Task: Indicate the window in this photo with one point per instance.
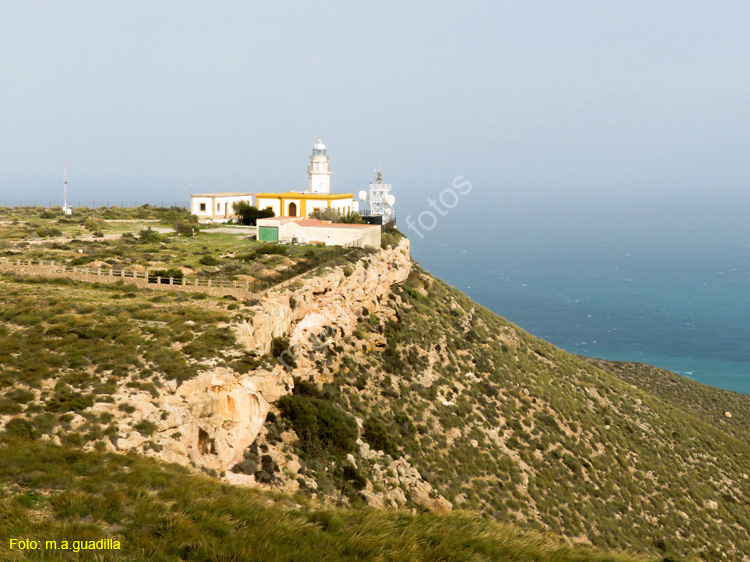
(218, 206)
(203, 206)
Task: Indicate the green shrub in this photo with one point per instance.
(183, 228)
(149, 236)
(19, 428)
(127, 408)
(267, 471)
(322, 427)
(48, 231)
(271, 249)
(92, 225)
(281, 350)
(145, 428)
(165, 274)
(209, 260)
(376, 435)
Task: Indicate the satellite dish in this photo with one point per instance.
(362, 195)
(390, 200)
(388, 212)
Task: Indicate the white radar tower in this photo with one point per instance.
(379, 198)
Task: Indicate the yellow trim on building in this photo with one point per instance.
(301, 195)
(289, 196)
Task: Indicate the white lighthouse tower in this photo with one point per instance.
(319, 172)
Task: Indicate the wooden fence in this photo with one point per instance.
(215, 286)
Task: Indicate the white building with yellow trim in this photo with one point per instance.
(317, 196)
(217, 207)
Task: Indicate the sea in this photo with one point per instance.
(662, 282)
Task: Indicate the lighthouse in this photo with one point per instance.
(319, 172)
(317, 196)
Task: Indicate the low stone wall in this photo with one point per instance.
(214, 288)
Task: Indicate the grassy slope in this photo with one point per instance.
(499, 421)
(163, 513)
(706, 402)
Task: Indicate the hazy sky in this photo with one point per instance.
(529, 100)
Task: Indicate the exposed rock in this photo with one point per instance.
(422, 496)
(397, 495)
(350, 459)
(237, 479)
(218, 414)
(293, 466)
(374, 500)
(326, 304)
(366, 453)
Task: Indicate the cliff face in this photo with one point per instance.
(334, 299)
(457, 407)
(209, 421)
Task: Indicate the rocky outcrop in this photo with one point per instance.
(206, 422)
(217, 415)
(401, 483)
(324, 304)
(209, 421)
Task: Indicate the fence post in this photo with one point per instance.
(158, 279)
(209, 283)
(171, 280)
(122, 273)
(99, 271)
(183, 281)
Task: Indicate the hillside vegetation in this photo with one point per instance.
(163, 513)
(431, 403)
(501, 422)
(728, 411)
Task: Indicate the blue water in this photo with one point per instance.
(671, 295)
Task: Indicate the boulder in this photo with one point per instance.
(421, 494)
(372, 499)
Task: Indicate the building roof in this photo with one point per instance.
(319, 145)
(315, 223)
(328, 224)
(227, 194)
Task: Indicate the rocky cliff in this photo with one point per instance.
(209, 421)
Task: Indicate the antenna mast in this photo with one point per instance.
(66, 210)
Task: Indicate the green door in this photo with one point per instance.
(268, 233)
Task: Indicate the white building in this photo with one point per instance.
(317, 196)
(314, 231)
(217, 207)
